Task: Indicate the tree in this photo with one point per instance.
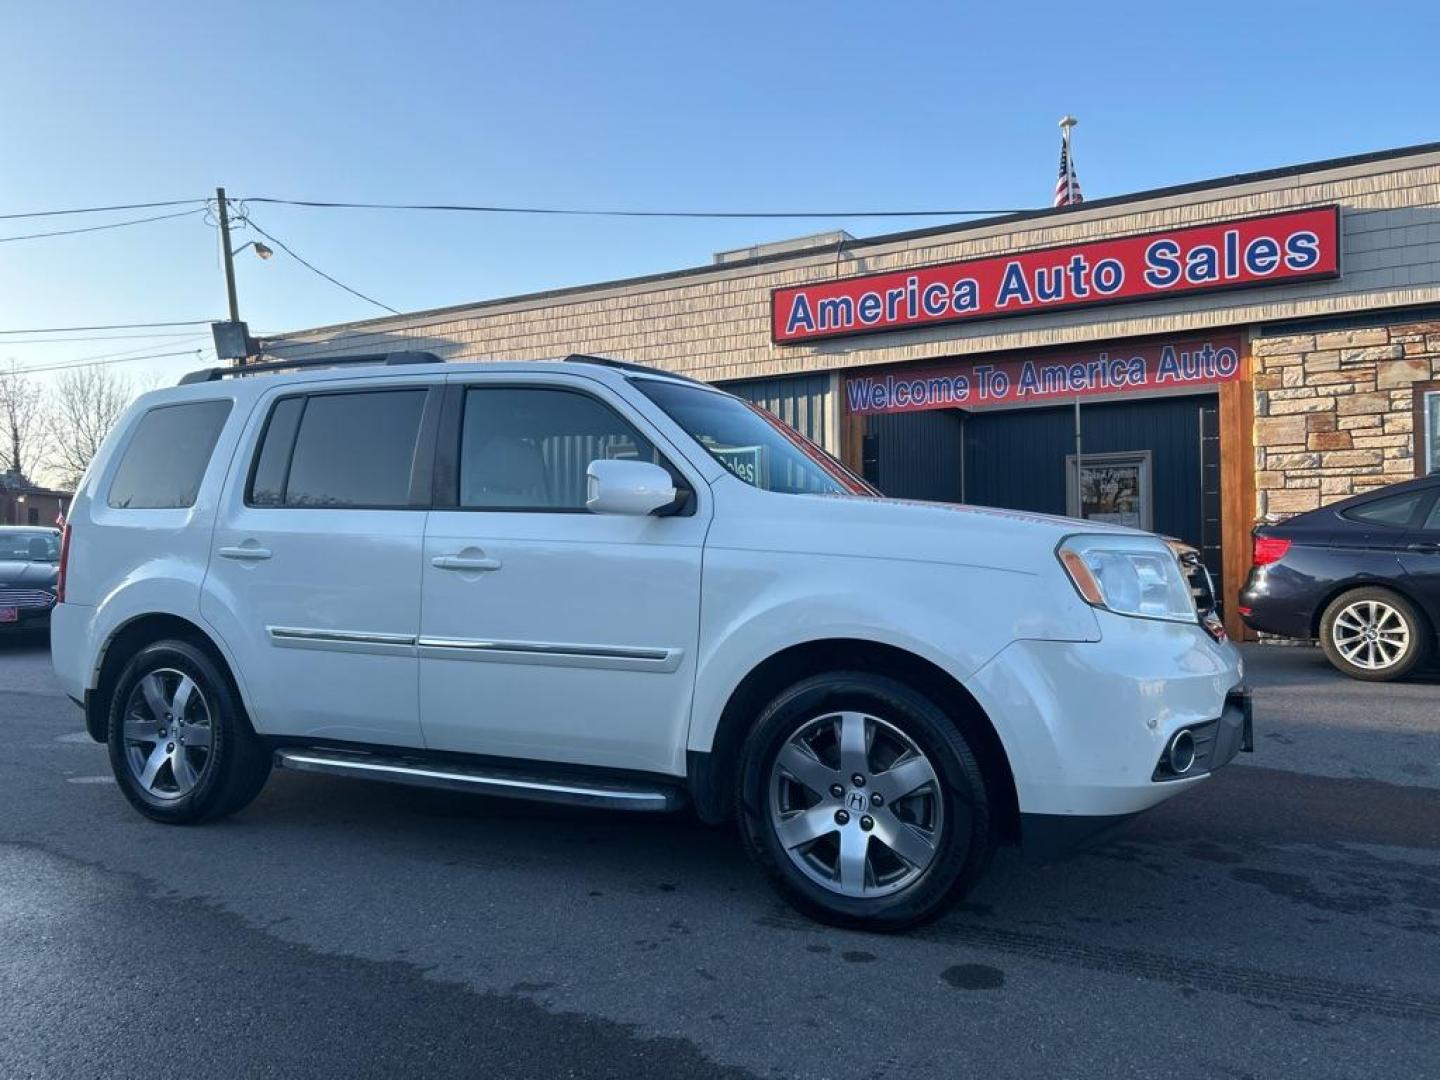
(84, 405)
(20, 419)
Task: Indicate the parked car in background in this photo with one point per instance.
(594, 583)
(29, 566)
(1362, 576)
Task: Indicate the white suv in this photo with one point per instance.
(590, 582)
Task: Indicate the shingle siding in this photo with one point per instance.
(715, 324)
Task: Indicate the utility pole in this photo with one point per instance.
(226, 254)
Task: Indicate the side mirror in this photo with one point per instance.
(627, 487)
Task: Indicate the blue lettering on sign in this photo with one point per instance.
(1013, 286)
(934, 299)
(800, 316)
(1262, 255)
(966, 295)
(1202, 264)
(870, 308)
(1108, 276)
(1302, 250)
(836, 313)
(1163, 264)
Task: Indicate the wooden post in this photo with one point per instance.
(1237, 487)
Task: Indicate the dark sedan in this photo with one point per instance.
(1361, 575)
(29, 569)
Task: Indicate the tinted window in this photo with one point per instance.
(267, 485)
(19, 545)
(529, 448)
(354, 450)
(166, 457)
(1397, 510)
(1432, 520)
(751, 443)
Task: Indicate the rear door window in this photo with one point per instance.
(165, 460)
(1396, 511)
(346, 450)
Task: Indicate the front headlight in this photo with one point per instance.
(1129, 575)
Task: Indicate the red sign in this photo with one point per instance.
(978, 384)
(1298, 245)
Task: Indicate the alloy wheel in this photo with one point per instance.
(168, 735)
(1371, 634)
(856, 804)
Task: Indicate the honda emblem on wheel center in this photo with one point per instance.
(857, 801)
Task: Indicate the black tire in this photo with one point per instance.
(1416, 632)
(963, 839)
(226, 777)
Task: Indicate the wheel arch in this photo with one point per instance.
(125, 641)
(711, 774)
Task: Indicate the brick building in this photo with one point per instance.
(1189, 359)
(23, 502)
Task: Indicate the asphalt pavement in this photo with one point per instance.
(1281, 920)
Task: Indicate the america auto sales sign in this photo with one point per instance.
(1298, 245)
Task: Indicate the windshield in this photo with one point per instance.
(23, 545)
(751, 443)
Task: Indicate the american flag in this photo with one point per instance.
(1067, 184)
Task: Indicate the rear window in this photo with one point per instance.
(1395, 510)
(350, 450)
(165, 460)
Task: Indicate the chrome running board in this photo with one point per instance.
(484, 780)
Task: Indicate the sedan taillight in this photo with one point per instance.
(1269, 549)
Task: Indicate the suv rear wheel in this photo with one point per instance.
(181, 747)
(1373, 634)
(863, 802)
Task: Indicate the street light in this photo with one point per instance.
(260, 249)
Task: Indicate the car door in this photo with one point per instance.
(549, 632)
(314, 576)
(1421, 558)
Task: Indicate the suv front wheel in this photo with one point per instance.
(863, 802)
(180, 745)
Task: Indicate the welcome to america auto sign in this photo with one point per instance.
(1175, 366)
(1298, 245)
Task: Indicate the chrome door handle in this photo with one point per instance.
(1423, 545)
(244, 554)
(464, 562)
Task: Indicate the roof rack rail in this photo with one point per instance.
(626, 365)
(394, 359)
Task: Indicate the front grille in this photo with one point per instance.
(26, 598)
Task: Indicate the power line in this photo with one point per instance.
(575, 212)
(111, 355)
(313, 268)
(105, 363)
(110, 326)
(95, 337)
(100, 209)
(101, 228)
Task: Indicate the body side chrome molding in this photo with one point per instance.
(552, 654)
(497, 781)
(548, 653)
(294, 637)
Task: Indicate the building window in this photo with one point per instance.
(1431, 414)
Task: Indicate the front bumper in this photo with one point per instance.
(1085, 724)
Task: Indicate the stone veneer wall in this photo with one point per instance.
(1334, 412)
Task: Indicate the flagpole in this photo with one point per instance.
(1066, 123)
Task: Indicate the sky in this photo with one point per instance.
(620, 105)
